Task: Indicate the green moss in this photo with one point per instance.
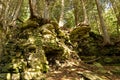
(29, 24)
(61, 34)
(3, 76)
(56, 26)
(81, 30)
(47, 29)
(79, 33)
(33, 46)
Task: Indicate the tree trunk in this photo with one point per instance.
(102, 24)
(33, 8)
(2, 9)
(84, 13)
(97, 24)
(75, 5)
(5, 17)
(61, 20)
(46, 10)
(15, 16)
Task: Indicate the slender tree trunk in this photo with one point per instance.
(5, 22)
(61, 20)
(46, 10)
(2, 9)
(97, 24)
(102, 24)
(84, 12)
(33, 8)
(75, 4)
(15, 16)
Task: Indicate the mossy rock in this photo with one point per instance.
(47, 29)
(30, 49)
(56, 26)
(81, 30)
(79, 33)
(61, 34)
(53, 49)
(29, 24)
(53, 52)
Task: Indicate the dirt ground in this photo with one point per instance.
(81, 72)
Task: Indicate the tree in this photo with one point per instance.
(33, 8)
(9, 12)
(46, 9)
(84, 13)
(61, 20)
(79, 15)
(76, 13)
(16, 13)
(102, 24)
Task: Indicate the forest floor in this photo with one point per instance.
(81, 72)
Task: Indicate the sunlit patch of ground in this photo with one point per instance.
(78, 73)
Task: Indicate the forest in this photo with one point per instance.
(59, 39)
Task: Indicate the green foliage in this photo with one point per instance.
(56, 10)
(111, 21)
(69, 17)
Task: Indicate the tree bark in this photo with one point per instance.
(33, 8)
(15, 16)
(102, 24)
(97, 24)
(46, 10)
(75, 5)
(84, 13)
(61, 20)
(2, 9)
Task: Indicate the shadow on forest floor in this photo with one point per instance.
(83, 72)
